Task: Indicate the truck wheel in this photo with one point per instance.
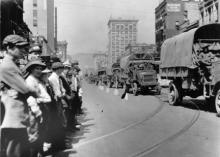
(135, 89)
(217, 102)
(173, 95)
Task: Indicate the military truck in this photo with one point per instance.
(101, 77)
(115, 79)
(141, 74)
(191, 61)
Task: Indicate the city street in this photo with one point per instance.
(144, 125)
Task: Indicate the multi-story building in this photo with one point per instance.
(210, 12)
(121, 33)
(39, 16)
(170, 14)
(100, 60)
(62, 50)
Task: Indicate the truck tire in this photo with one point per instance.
(173, 95)
(217, 102)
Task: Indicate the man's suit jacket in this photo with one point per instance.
(14, 96)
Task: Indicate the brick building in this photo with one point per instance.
(170, 14)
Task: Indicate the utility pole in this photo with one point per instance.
(56, 30)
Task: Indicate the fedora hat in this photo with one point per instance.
(34, 63)
(57, 65)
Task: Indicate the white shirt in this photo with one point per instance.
(42, 95)
(58, 89)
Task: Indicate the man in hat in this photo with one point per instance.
(59, 90)
(34, 52)
(76, 88)
(13, 95)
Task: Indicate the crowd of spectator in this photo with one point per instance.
(39, 103)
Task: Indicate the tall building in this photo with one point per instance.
(210, 12)
(121, 33)
(39, 16)
(62, 50)
(170, 14)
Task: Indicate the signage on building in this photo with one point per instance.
(173, 7)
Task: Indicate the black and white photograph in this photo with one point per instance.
(110, 78)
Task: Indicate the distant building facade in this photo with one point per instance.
(100, 60)
(140, 47)
(121, 33)
(62, 50)
(39, 16)
(170, 14)
(209, 11)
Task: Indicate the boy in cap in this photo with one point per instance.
(13, 95)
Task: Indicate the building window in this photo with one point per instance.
(35, 22)
(35, 3)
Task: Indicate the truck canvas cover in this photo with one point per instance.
(178, 50)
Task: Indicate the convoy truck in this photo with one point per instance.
(141, 74)
(191, 60)
(115, 79)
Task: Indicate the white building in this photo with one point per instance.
(121, 33)
(39, 16)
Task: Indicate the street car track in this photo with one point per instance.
(147, 150)
(148, 117)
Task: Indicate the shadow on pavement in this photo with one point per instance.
(202, 104)
(75, 136)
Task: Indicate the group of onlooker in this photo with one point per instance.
(40, 103)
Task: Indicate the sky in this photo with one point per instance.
(83, 23)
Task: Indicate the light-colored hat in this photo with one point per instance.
(67, 64)
(15, 39)
(45, 71)
(57, 65)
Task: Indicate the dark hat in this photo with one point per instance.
(76, 67)
(75, 62)
(15, 40)
(34, 62)
(57, 65)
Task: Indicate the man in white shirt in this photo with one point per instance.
(58, 89)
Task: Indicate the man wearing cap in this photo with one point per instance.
(58, 89)
(34, 52)
(13, 95)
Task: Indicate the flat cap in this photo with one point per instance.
(57, 65)
(16, 40)
(76, 67)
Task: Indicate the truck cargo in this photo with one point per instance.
(191, 60)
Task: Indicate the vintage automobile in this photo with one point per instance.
(141, 74)
(191, 61)
(115, 79)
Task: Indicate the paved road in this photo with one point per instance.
(143, 126)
